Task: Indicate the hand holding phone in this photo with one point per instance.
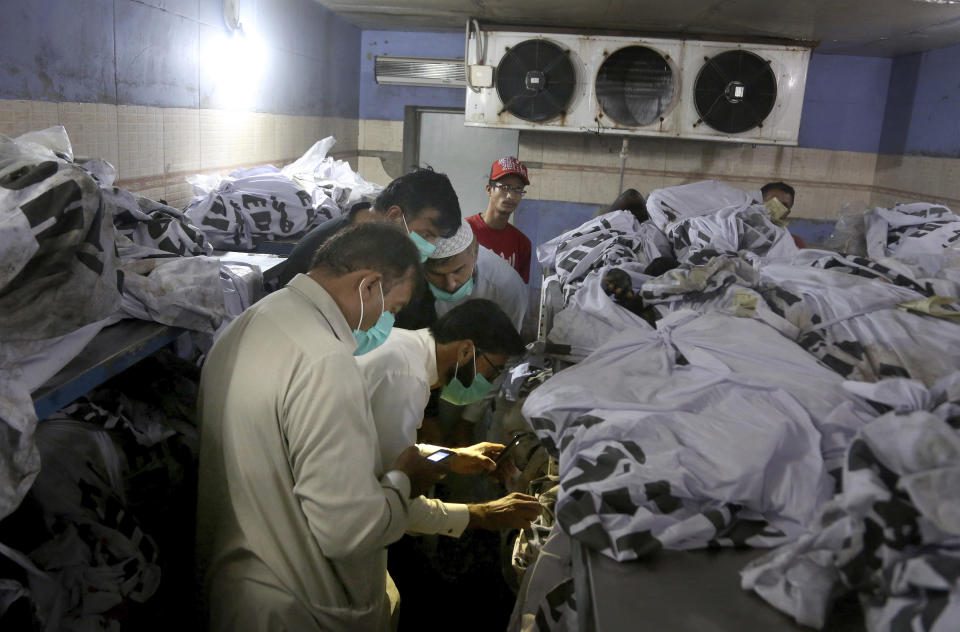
(510, 446)
(423, 471)
(440, 455)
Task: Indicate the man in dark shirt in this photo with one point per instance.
(422, 203)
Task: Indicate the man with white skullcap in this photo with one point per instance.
(460, 269)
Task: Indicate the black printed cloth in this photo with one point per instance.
(696, 240)
(681, 438)
(64, 265)
(909, 230)
(150, 223)
(847, 311)
(267, 205)
(609, 240)
(849, 316)
(892, 533)
(58, 272)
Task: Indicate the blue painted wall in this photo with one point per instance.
(158, 53)
(923, 105)
(843, 107)
(542, 220)
(387, 102)
(844, 102)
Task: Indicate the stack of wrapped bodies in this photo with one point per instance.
(728, 400)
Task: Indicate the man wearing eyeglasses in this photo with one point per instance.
(506, 187)
(463, 353)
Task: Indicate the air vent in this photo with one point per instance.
(735, 91)
(738, 92)
(535, 80)
(634, 86)
(419, 71)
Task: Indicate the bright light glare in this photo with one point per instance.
(234, 64)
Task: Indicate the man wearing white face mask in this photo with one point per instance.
(778, 197)
(295, 506)
(461, 269)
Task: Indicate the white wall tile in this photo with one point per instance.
(371, 169)
(92, 129)
(140, 138)
(19, 117)
(381, 135)
(531, 147)
(181, 140)
(599, 188)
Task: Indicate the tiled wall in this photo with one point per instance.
(585, 168)
(155, 149)
(376, 138)
(916, 179)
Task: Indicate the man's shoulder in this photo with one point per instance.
(476, 222)
(403, 353)
(292, 323)
(499, 272)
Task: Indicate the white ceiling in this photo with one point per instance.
(855, 27)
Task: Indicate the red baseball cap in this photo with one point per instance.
(509, 166)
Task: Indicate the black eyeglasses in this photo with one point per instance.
(506, 188)
(499, 370)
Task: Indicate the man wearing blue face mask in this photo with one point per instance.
(462, 353)
(295, 505)
(461, 269)
(421, 203)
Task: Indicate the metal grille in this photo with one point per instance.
(419, 71)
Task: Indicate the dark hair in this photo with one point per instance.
(421, 189)
(484, 323)
(777, 186)
(362, 205)
(375, 245)
(631, 200)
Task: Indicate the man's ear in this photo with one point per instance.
(394, 214)
(371, 283)
(465, 352)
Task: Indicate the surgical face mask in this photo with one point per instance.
(777, 210)
(462, 292)
(375, 336)
(459, 395)
(425, 247)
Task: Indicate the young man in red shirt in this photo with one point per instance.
(508, 177)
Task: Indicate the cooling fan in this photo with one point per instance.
(634, 86)
(535, 80)
(735, 91)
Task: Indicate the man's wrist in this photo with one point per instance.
(478, 515)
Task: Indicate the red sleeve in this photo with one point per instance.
(798, 241)
(523, 259)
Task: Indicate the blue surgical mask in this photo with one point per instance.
(425, 247)
(459, 395)
(462, 292)
(375, 336)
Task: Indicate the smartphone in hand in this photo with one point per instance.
(510, 446)
(439, 456)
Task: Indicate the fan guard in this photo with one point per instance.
(735, 91)
(634, 85)
(535, 80)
